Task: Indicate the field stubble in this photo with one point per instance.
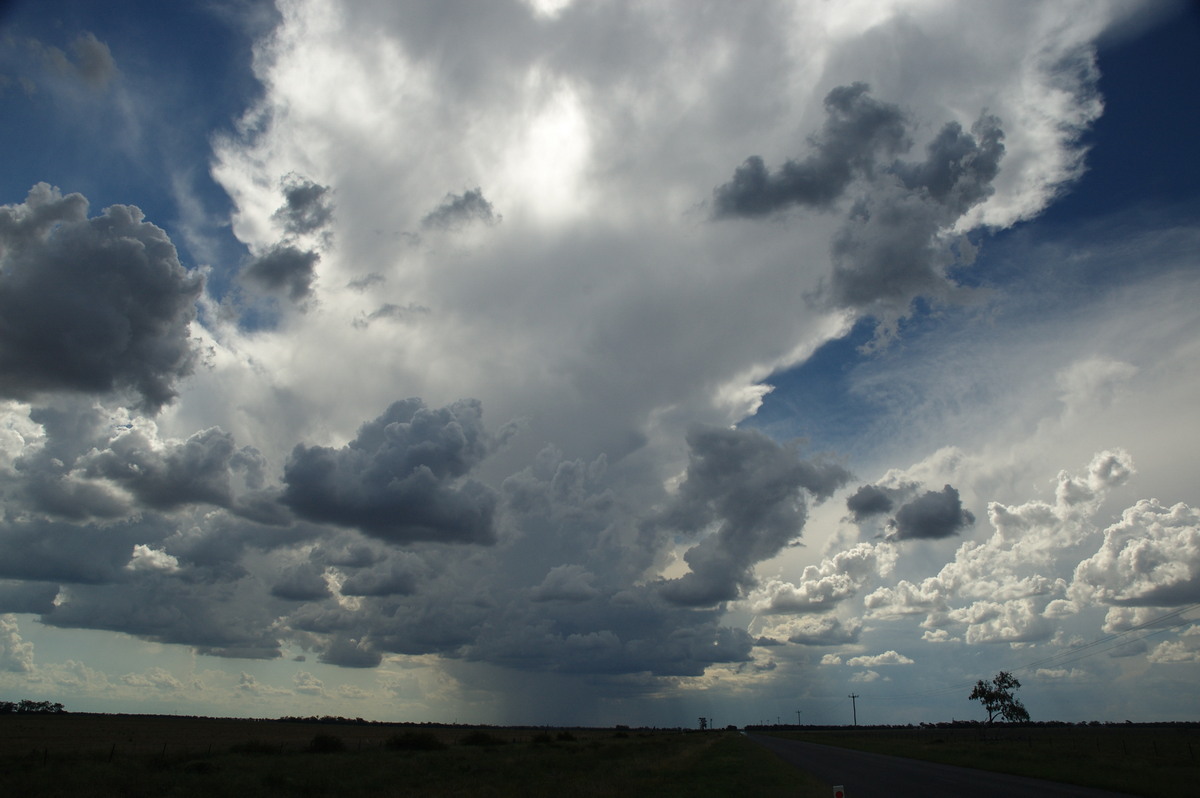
(1153, 761)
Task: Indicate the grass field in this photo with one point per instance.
(1155, 761)
(99, 755)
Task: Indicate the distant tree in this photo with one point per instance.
(998, 699)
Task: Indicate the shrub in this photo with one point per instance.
(255, 747)
(326, 744)
(414, 741)
(481, 738)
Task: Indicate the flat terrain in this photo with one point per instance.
(107, 755)
(1158, 761)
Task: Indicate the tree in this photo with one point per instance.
(998, 699)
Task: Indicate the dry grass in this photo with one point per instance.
(1156, 761)
(96, 755)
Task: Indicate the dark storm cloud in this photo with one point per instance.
(397, 577)
(751, 488)
(934, 514)
(72, 553)
(170, 610)
(892, 247)
(26, 597)
(857, 131)
(91, 305)
(401, 478)
(306, 207)
(959, 167)
(870, 500)
(285, 269)
(351, 653)
(459, 210)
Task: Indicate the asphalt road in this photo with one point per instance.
(866, 775)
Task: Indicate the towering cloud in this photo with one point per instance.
(400, 479)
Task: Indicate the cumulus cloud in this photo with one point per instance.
(153, 678)
(401, 478)
(876, 660)
(307, 684)
(91, 305)
(822, 630)
(148, 559)
(821, 587)
(1151, 557)
(15, 654)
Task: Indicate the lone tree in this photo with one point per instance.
(998, 699)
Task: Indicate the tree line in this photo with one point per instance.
(29, 707)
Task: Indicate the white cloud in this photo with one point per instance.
(15, 654)
(876, 660)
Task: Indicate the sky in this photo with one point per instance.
(585, 363)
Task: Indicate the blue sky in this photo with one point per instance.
(553, 362)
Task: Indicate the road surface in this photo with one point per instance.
(866, 775)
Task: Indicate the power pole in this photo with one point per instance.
(854, 706)
(797, 717)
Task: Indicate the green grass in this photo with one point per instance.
(1153, 762)
(661, 764)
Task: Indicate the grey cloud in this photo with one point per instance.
(401, 478)
(825, 631)
(92, 64)
(870, 500)
(286, 269)
(170, 610)
(390, 312)
(459, 210)
(91, 305)
(306, 208)
(26, 597)
(351, 653)
(567, 583)
(195, 471)
(750, 487)
(892, 247)
(934, 514)
(303, 582)
(858, 129)
(398, 576)
(959, 167)
(71, 553)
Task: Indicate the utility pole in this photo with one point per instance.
(854, 706)
(797, 717)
